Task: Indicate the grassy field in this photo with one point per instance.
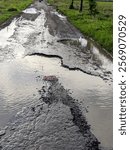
(99, 27)
(10, 8)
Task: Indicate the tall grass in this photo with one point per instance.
(9, 8)
(99, 27)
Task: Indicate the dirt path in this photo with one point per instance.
(55, 121)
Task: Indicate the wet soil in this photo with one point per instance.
(23, 87)
(56, 122)
(31, 80)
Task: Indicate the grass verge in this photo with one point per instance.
(10, 8)
(99, 28)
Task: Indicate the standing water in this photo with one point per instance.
(20, 82)
(21, 79)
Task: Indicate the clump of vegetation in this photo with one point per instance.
(97, 23)
(10, 8)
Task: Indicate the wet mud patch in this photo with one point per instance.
(30, 16)
(57, 93)
(30, 13)
(62, 62)
(38, 40)
(24, 78)
(75, 43)
(104, 77)
(56, 122)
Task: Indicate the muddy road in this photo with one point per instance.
(55, 86)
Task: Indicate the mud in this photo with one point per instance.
(56, 120)
(54, 123)
(23, 79)
(62, 63)
(44, 36)
(80, 50)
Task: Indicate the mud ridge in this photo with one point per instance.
(56, 93)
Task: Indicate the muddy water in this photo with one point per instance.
(22, 78)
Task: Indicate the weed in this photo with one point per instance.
(10, 8)
(98, 27)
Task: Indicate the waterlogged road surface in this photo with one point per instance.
(55, 86)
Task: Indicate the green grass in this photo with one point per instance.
(99, 27)
(10, 8)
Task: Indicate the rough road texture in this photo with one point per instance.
(67, 42)
(49, 33)
(55, 123)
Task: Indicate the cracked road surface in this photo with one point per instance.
(41, 56)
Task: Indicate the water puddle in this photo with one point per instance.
(22, 78)
(6, 33)
(30, 37)
(30, 11)
(59, 15)
(105, 62)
